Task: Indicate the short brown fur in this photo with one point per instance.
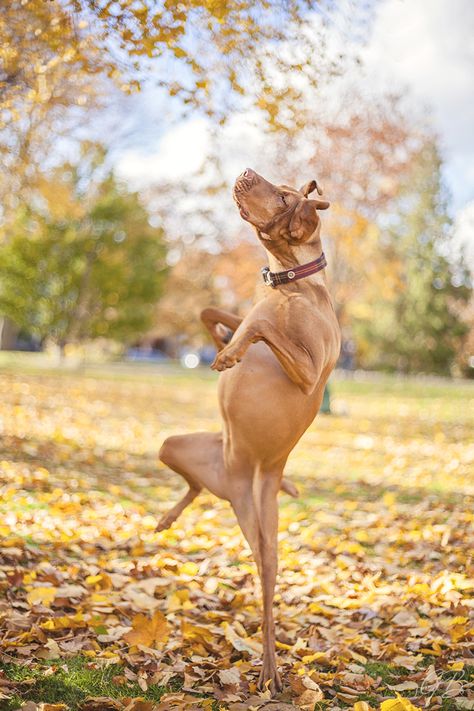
(274, 370)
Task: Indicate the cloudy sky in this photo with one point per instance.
(427, 46)
(423, 45)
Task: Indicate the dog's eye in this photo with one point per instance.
(283, 199)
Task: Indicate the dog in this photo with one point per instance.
(273, 373)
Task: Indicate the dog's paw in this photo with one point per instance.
(270, 680)
(165, 522)
(225, 359)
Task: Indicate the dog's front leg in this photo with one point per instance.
(212, 318)
(295, 359)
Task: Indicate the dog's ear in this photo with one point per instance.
(304, 221)
(319, 204)
(310, 187)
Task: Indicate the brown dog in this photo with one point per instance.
(288, 345)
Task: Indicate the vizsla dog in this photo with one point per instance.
(274, 370)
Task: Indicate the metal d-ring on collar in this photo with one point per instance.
(275, 279)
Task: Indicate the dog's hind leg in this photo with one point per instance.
(199, 459)
(169, 518)
(265, 489)
(254, 500)
(244, 508)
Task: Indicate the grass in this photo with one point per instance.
(72, 681)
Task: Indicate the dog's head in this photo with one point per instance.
(277, 211)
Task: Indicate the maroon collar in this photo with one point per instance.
(274, 279)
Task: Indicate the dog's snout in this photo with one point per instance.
(248, 172)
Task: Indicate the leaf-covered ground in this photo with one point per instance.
(374, 602)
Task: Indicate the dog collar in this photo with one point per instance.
(275, 279)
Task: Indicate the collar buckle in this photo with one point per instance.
(267, 277)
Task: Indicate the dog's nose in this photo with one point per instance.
(248, 172)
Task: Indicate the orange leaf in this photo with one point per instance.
(148, 632)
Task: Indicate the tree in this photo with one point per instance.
(82, 260)
(50, 76)
(361, 151)
(207, 52)
(199, 279)
(414, 323)
(61, 59)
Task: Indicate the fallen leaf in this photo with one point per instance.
(100, 703)
(398, 704)
(309, 698)
(229, 676)
(148, 631)
(43, 595)
(239, 643)
(404, 686)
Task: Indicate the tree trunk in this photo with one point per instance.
(8, 334)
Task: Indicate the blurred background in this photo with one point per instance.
(123, 126)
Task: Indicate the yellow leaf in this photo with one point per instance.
(398, 704)
(93, 579)
(179, 601)
(239, 643)
(64, 622)
(316, 657)
(282, 645)
(361, 706)
(44, 596)
(195, 632)
(148, 632)
(98, 597)
(189, 568)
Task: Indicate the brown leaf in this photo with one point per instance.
(309, 698)
(100, 703)
(229, 677)
(139, 705)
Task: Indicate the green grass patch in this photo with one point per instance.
(388, 673)
(71, 682)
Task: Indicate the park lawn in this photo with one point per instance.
(376, 571)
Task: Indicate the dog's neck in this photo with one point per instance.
(302, 254)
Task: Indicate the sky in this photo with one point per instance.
(423, 45)
(427, 45)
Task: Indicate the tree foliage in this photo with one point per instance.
(49, 76)
(413, 322)
(207, 52)
(82, 260)
(60, 59)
